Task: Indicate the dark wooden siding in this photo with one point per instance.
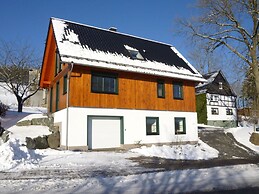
(136, 91)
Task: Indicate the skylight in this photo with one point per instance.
(134, 53)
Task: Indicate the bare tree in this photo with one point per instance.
(15, 64)
(231, 25)
(204, 60)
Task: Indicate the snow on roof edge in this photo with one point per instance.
(210, 79)
(131, 68)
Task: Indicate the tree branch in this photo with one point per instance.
(222, 42)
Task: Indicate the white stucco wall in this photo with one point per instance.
(60, 120)
(222, 116)
(134, 125)
(221, 102)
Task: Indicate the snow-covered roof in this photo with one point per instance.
(87, 45)
(212, 84)
(210, 77)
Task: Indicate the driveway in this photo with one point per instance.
(225, 143)
(231, 152)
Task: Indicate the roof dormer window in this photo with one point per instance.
(134, 53)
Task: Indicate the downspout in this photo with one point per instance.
(70, 66)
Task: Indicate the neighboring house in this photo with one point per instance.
(216, 101)
(7, 97)
(107, 89)
(39, 99)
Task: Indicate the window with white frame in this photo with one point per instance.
(229, 111)
(180, 126)
(152, 125)
(214, 111)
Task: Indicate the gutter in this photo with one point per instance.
(133, 68)
(70, 67)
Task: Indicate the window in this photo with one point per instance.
(229, 111)
(160, 89)
(58, 64)
(65, 84)
(134, 53)
(214, 111)
(152, 125)
(57, 96)
(104, 83)
(220, 85)
(180, 127)
(178, 90)
(50, 100)
(214, 98)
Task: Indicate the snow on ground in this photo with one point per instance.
(86, 160)
(199, 151)
(33, 116)
(54, 171)
(208, 127)
(14, 155)
(178, 181)
(12, 116)
(242, 135)
(22, 132)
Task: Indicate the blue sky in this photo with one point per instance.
(27, 20)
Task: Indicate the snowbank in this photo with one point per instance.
(28, 131)
(242, 135)
(199, 151)
(14, 155)
(21, 132)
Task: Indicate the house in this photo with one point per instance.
(7, 97)
(216, 101)
(39, 99)
(108, 89)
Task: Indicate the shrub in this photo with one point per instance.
(201, 108)
(3, 109)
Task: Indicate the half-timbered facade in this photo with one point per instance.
(109, 89)
(216, 101)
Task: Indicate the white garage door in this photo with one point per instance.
(104, 132)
